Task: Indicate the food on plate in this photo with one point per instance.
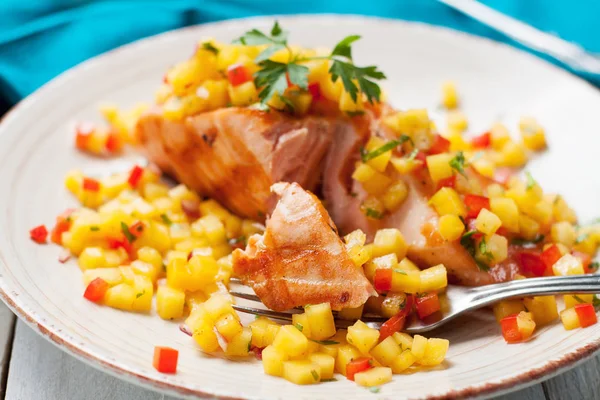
(303, 141)
(300, 259)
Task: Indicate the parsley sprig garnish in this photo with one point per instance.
(273, 76)
(458, 163)
(468, 242)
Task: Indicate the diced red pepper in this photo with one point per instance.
(383, 279)
(359, 365)
(447, 182)
(165, 359)
(114, 144)
(510, 329)
(475, 204)
(91, 185)
(550, 256)
(482, 141)
(238, 74)
(96, 290)
(135, 176)
(315, 90)
(136, 229)
(427, 304)
(531, 263)
(83, 132)
(115, 243)
(502, 231)
(585, 259)
(440, 145)
(586, 314)
(63, 224)
(39, 234)
(396, 323)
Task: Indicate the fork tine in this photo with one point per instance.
(266, 313)
(247, 296)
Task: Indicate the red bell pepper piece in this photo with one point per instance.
(359, 365)
(315, 90)
(531, 263)
(510, 329)
(586, 314)
(475, 204)
(396, 323)
(136, 229)
(91, 185)
(83, 132)
(440, 145)
(135, 176)
(96, 290)
(165, 359)
(447, 182)
(427, 304)
(482, 141)
(383, 280)
(39, 234)
(63, 224)
(238, 74)
(114, 144)
(550, 256)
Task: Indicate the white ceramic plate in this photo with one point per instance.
(495, 82)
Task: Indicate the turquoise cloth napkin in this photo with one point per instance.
(41, 38)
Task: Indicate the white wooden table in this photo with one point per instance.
(33, 368)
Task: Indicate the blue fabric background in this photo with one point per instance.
(41, 38)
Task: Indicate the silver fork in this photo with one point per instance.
(460, 299)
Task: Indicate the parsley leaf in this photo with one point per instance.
(137, 296)
(483, 250)
(372, 213)
(165, 218)
(325, 342)
(277, 40)
(530, 181)
(348, 72)
(272, 78)
(314, 374)
(209, 47)
(94, 228)
(458, 163)
(594, 266)
(298, 75)
(343, 48)
(299, 326)
(596, 301)
(128, 235)
(392, 144)
(468, 242)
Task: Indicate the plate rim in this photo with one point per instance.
(527, 378)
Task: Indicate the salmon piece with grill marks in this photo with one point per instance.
(300, 259)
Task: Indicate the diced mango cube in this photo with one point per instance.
(169, 302)
(345, 354)
(229, 326)
(487, 222)
(419, 346)
(534, 137)
(239, 345)
(386, 351)
(320, 319)
(373, 376)
(570, 319)
(300, 321)
(120, 296)
(404, 361)
(446, 201)
(451, 227)
(243, 95)
(301, 372)
(388, 241)
(435, 352)
(439, 166)
(362, 337)
(449, 95)
(568, 265)
(325, 362)
(433, 278)
(542, 308)
(290, 341)
(572, 300)
(406, 281)
(273, 360)
(263, 332)
(394, 196)
(404, 340)
(505, 308)
(506, 209)
(563, 232)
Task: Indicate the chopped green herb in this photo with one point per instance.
(250, 345)
(374, 389)
(165, 218)
(582, 237)
(164, 267)
(371, 213)
(354, 113)
(579, 299)
(594, 266)
(527, 243)
(413, 155)
(299, 326)
(137, 296)
(596, 301)
(209, 46)
(458, 163)
(483, 250)
(329, 380)
(530, 181)
(314, 374)
(392, 144)
(399, 271)
(128, 235)
(468, 242)
(94, 228)
(325, 342)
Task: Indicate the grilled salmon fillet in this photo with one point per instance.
(235, 154)
(300, 259)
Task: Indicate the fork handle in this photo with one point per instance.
(489, 294)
